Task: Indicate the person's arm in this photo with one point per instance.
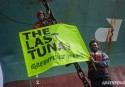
(50, 17)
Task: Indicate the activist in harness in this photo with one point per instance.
(42, 19)
(97, 66)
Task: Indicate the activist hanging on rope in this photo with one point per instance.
(45, 20)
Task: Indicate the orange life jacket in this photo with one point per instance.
(97, 57)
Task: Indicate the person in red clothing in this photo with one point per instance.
(42, 20)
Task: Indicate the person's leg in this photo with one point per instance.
(96, 82)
